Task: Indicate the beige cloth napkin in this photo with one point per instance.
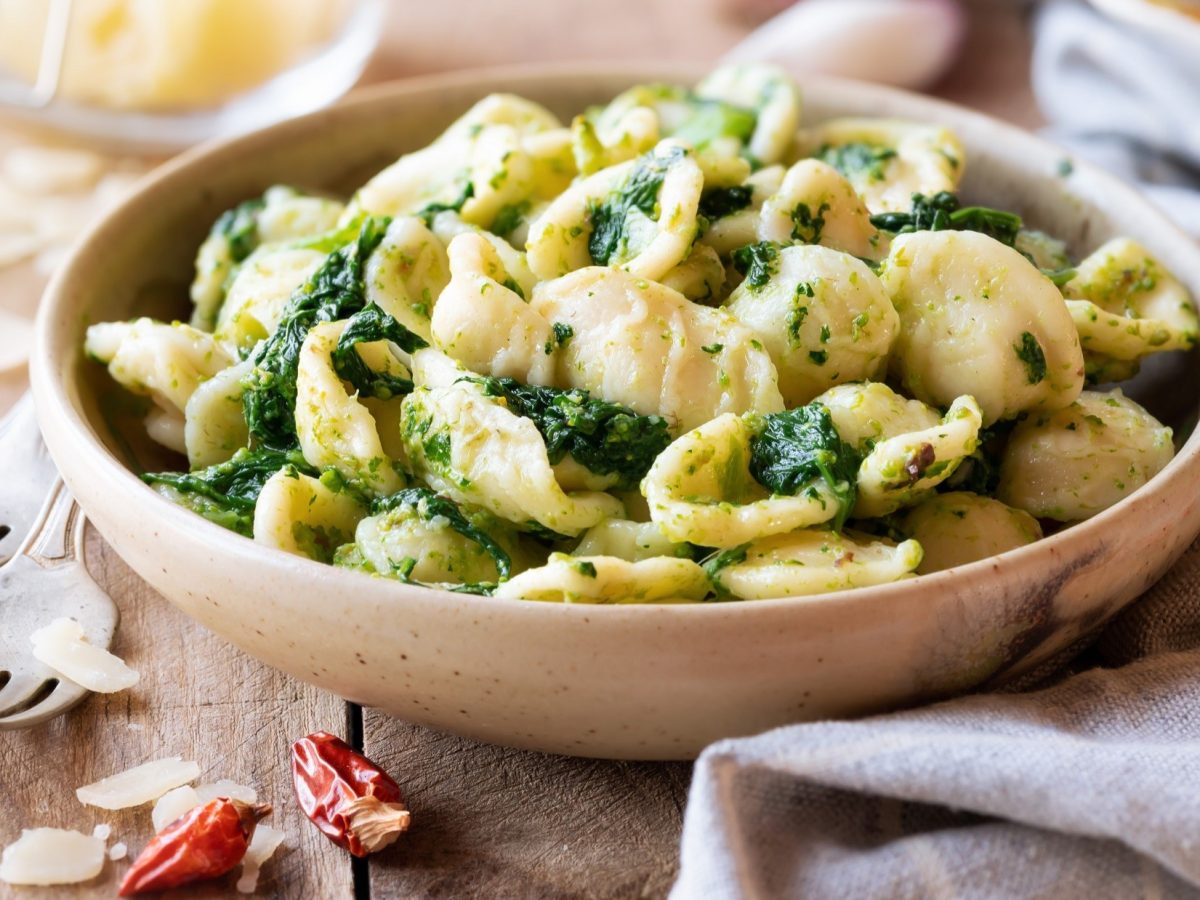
(1087, 788)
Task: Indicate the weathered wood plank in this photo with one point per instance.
(495, 822)
(199, 698)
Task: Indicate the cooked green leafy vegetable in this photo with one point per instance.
(808, 225)
(712, 119)
(717, 203)
(430, 505)
(857, 158)
(509, 217)
(239, 227)
(722, 559)
(758, 262)
(430, 210)
(794, 448)
(335, 291)
(605, 438)
(227, 492)
(637, 194)
(942, 212)
(372, 324)
(1030, 352)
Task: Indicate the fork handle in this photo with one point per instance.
(57, 537)
(30, 478)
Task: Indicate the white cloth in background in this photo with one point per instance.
(1089, 788)
(1124, 100)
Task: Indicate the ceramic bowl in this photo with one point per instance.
(619, 681)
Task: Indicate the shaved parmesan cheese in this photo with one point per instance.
(118, 851)
(226, 788)
(64, 647)
(138, 785)
(104, 832)
(172, 805)
(265, 842)
(52, 856)
(248, 880)
(263, 845)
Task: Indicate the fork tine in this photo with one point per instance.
(19, 689)
(65, 695)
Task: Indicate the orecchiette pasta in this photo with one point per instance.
(299, 514)
(473, 449)
(659, 339)
(815, 204)
(888, 160)
(633, 541)
(334, 428)
(394, 540)
(978, 318)
(823, 317)
(282, 214)
(607, 579)
(609, 218)
(1126, 306)
(903, 468)
(482, 321)
(167, 362)
(771, 94)
(639, 343)
(700, 490)
(259, 292)
(815, 561)
(215, 426)
(958, 528)
(1078, 461)
(407, 274)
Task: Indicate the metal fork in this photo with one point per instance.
(44, 579)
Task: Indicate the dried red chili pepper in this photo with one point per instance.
(203, 843)
(354, 802)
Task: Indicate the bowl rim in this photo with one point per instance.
(53, 402)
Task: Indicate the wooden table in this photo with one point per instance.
(488, 821)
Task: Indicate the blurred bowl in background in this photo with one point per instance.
(160, 78)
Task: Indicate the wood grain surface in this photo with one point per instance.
(487, 821)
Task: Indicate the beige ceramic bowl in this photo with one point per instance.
(617, 681)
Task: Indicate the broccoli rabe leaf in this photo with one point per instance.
(942, 212)
(239, 228)
(758, 262)
(604, 438)
(429, 505)
(794, 448)
(372, 324)
(335, 291)
(509, 217)
(227, 492)
(712, 119)
(432, 209)
(857, 158)
(610, 218)
(716, 203)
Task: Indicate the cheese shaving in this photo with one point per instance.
(139, 785)
(172, 805)
(226, 788)
(64, 647)
(52, 856)
(118, 851)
